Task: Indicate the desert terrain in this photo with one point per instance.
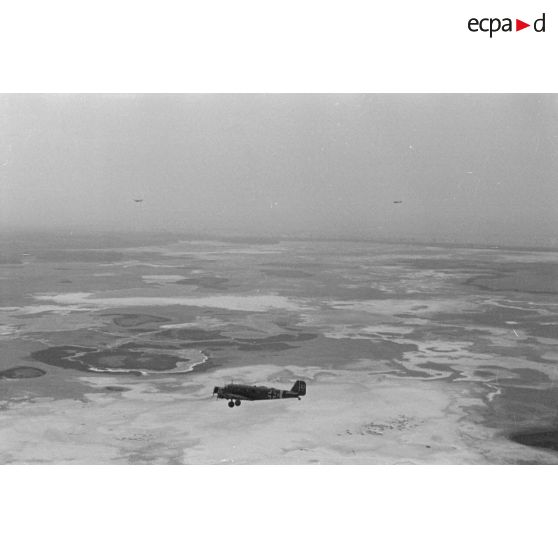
(412, 354)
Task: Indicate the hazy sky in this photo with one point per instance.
(467, 168)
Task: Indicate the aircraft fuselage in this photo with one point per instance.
(235, 393)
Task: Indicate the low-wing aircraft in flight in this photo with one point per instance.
(236, 393)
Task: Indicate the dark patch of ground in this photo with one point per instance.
(135, 320)
(190, 334)
(408, 373)
(282, 337)
(266, 347)
(212, 283)
(493, 316)
(436, 366)
(540, 278)
(545, 439)
(331, 353)
(132, 346)
(295, 265)
(484, 374)
(524, 407)
(20, 372)
(81, 358)
(523, 376)
(287, 273)
(274, 342)
(60, 356)
(441, 264)
(360, 293)
(118, 358)
(84, 256)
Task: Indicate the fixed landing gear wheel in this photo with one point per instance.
(237, 402)
(231, 404)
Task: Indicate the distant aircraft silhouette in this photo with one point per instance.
(138, 201)
(398, 201)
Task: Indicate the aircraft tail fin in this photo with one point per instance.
(299, 387)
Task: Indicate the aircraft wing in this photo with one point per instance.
(230, 395)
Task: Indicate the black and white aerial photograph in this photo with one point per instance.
(279, 279)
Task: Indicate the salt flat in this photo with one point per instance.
(412, 354)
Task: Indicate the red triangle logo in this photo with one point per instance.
(519, 25)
